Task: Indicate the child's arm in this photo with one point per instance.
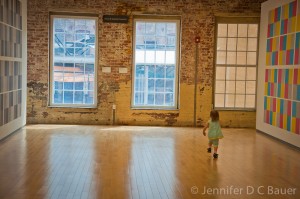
(204, 129)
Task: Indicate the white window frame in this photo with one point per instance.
(235, 20)
(155, 19)
(51, 61)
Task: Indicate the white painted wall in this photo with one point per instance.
(279, 133)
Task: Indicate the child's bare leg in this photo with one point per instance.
(215, 149)
(216, 144)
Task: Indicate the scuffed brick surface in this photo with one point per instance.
(115, 50)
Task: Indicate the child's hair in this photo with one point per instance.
(214, 115)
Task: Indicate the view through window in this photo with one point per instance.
(156, 63)
(73, 61)
(236, 65)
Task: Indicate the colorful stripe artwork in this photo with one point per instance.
(282, 36)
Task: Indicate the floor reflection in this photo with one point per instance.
(70, 161)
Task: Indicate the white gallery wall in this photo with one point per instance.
(13, 65)
(278, 99)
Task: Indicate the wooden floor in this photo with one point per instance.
(68, 161)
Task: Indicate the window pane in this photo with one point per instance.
(252, 44)
(231, 45)
(170, 57)
(159, 85)
(220, 73)
(219, 100)
(140, 28)
(242, 30)
(150, 85)
(250, 87)
(79, 84)
(159, 99)
(251, 73)
(139, 98)
(171, 28)
(252, 30)
(232, 30)
(161, 41)
(250, 101)
(251, 58)
(221, 57)
(220, 87)
(89, 97)
(170, 73)
(169, 86)
(59, 25)
(240, 101)
(150, 56)
(150, 28)
(140, 71)
(160, 72)
(139, 85)
(169, 99)
(58, 96)
(240, 87)
(230, 73)
(231, 57)
(68, 85)
(151, 99)
(78, 97)
(241, 44)
(230, 86)
(240, 73)
(229, 100)
(161, 29)
(68, 97)
(221, 44)
(151, 71)
(241, 58)
(160, 57)
(222, 30)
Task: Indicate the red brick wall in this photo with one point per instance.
(115, 50)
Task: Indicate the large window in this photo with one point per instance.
(236, 64)
(73, 61)
(156, 55)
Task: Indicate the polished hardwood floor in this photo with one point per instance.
(70, 161)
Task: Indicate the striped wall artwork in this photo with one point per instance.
(10, 60)
(282, 75)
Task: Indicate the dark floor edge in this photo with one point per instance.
(279, 140)
(10, 134)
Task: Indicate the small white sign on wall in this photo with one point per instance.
(106, 69)
(123, 70)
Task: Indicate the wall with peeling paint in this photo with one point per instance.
(115, 50)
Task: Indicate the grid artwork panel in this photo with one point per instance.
(282, 41)
(282, 113)
(10, 71)
(11, 13)
(10, 91)
(282, 78)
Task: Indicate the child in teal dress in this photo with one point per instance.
(214, 132)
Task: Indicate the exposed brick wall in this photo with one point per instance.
(115, 50)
